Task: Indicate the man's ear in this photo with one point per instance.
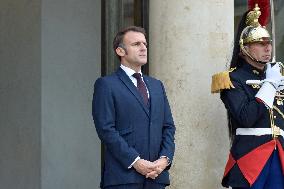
(120, 51)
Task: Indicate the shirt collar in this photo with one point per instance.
(129, 71)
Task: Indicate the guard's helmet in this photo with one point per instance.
(254, 32)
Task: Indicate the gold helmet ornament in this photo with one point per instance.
(254, 32)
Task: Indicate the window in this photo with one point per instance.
(117, 14)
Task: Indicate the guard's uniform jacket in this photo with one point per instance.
(250, 153)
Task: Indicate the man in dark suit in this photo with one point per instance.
(133, 120)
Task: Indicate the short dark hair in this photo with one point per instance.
(120, 35)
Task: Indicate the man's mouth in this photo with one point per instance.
(267, 57)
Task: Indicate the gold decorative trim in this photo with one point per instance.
(221, 81)
(278, 111)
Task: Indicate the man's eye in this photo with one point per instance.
(138, 44)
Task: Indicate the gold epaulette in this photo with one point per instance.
(221, 81)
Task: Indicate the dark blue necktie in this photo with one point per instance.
(141, 87)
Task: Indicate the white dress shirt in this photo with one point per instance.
(129, 72)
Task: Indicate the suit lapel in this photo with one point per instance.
(128, 83)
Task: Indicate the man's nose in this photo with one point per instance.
(268, 47)
(143, 46)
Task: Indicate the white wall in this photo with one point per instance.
(189, 42)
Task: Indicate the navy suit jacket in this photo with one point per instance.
(128, 128)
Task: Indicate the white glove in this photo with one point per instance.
(273, 75)
(266, 93)
(269, 85)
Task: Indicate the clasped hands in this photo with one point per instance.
(150, 169)
(273, 76)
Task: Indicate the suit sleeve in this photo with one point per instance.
(103, 110)
(245, 110)
(168, 145)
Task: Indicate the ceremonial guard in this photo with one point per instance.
(252, 94)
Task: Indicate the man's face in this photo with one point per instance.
(261, 51)
(135, 45)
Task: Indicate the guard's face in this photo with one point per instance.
(261, 51)
(135, 48)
